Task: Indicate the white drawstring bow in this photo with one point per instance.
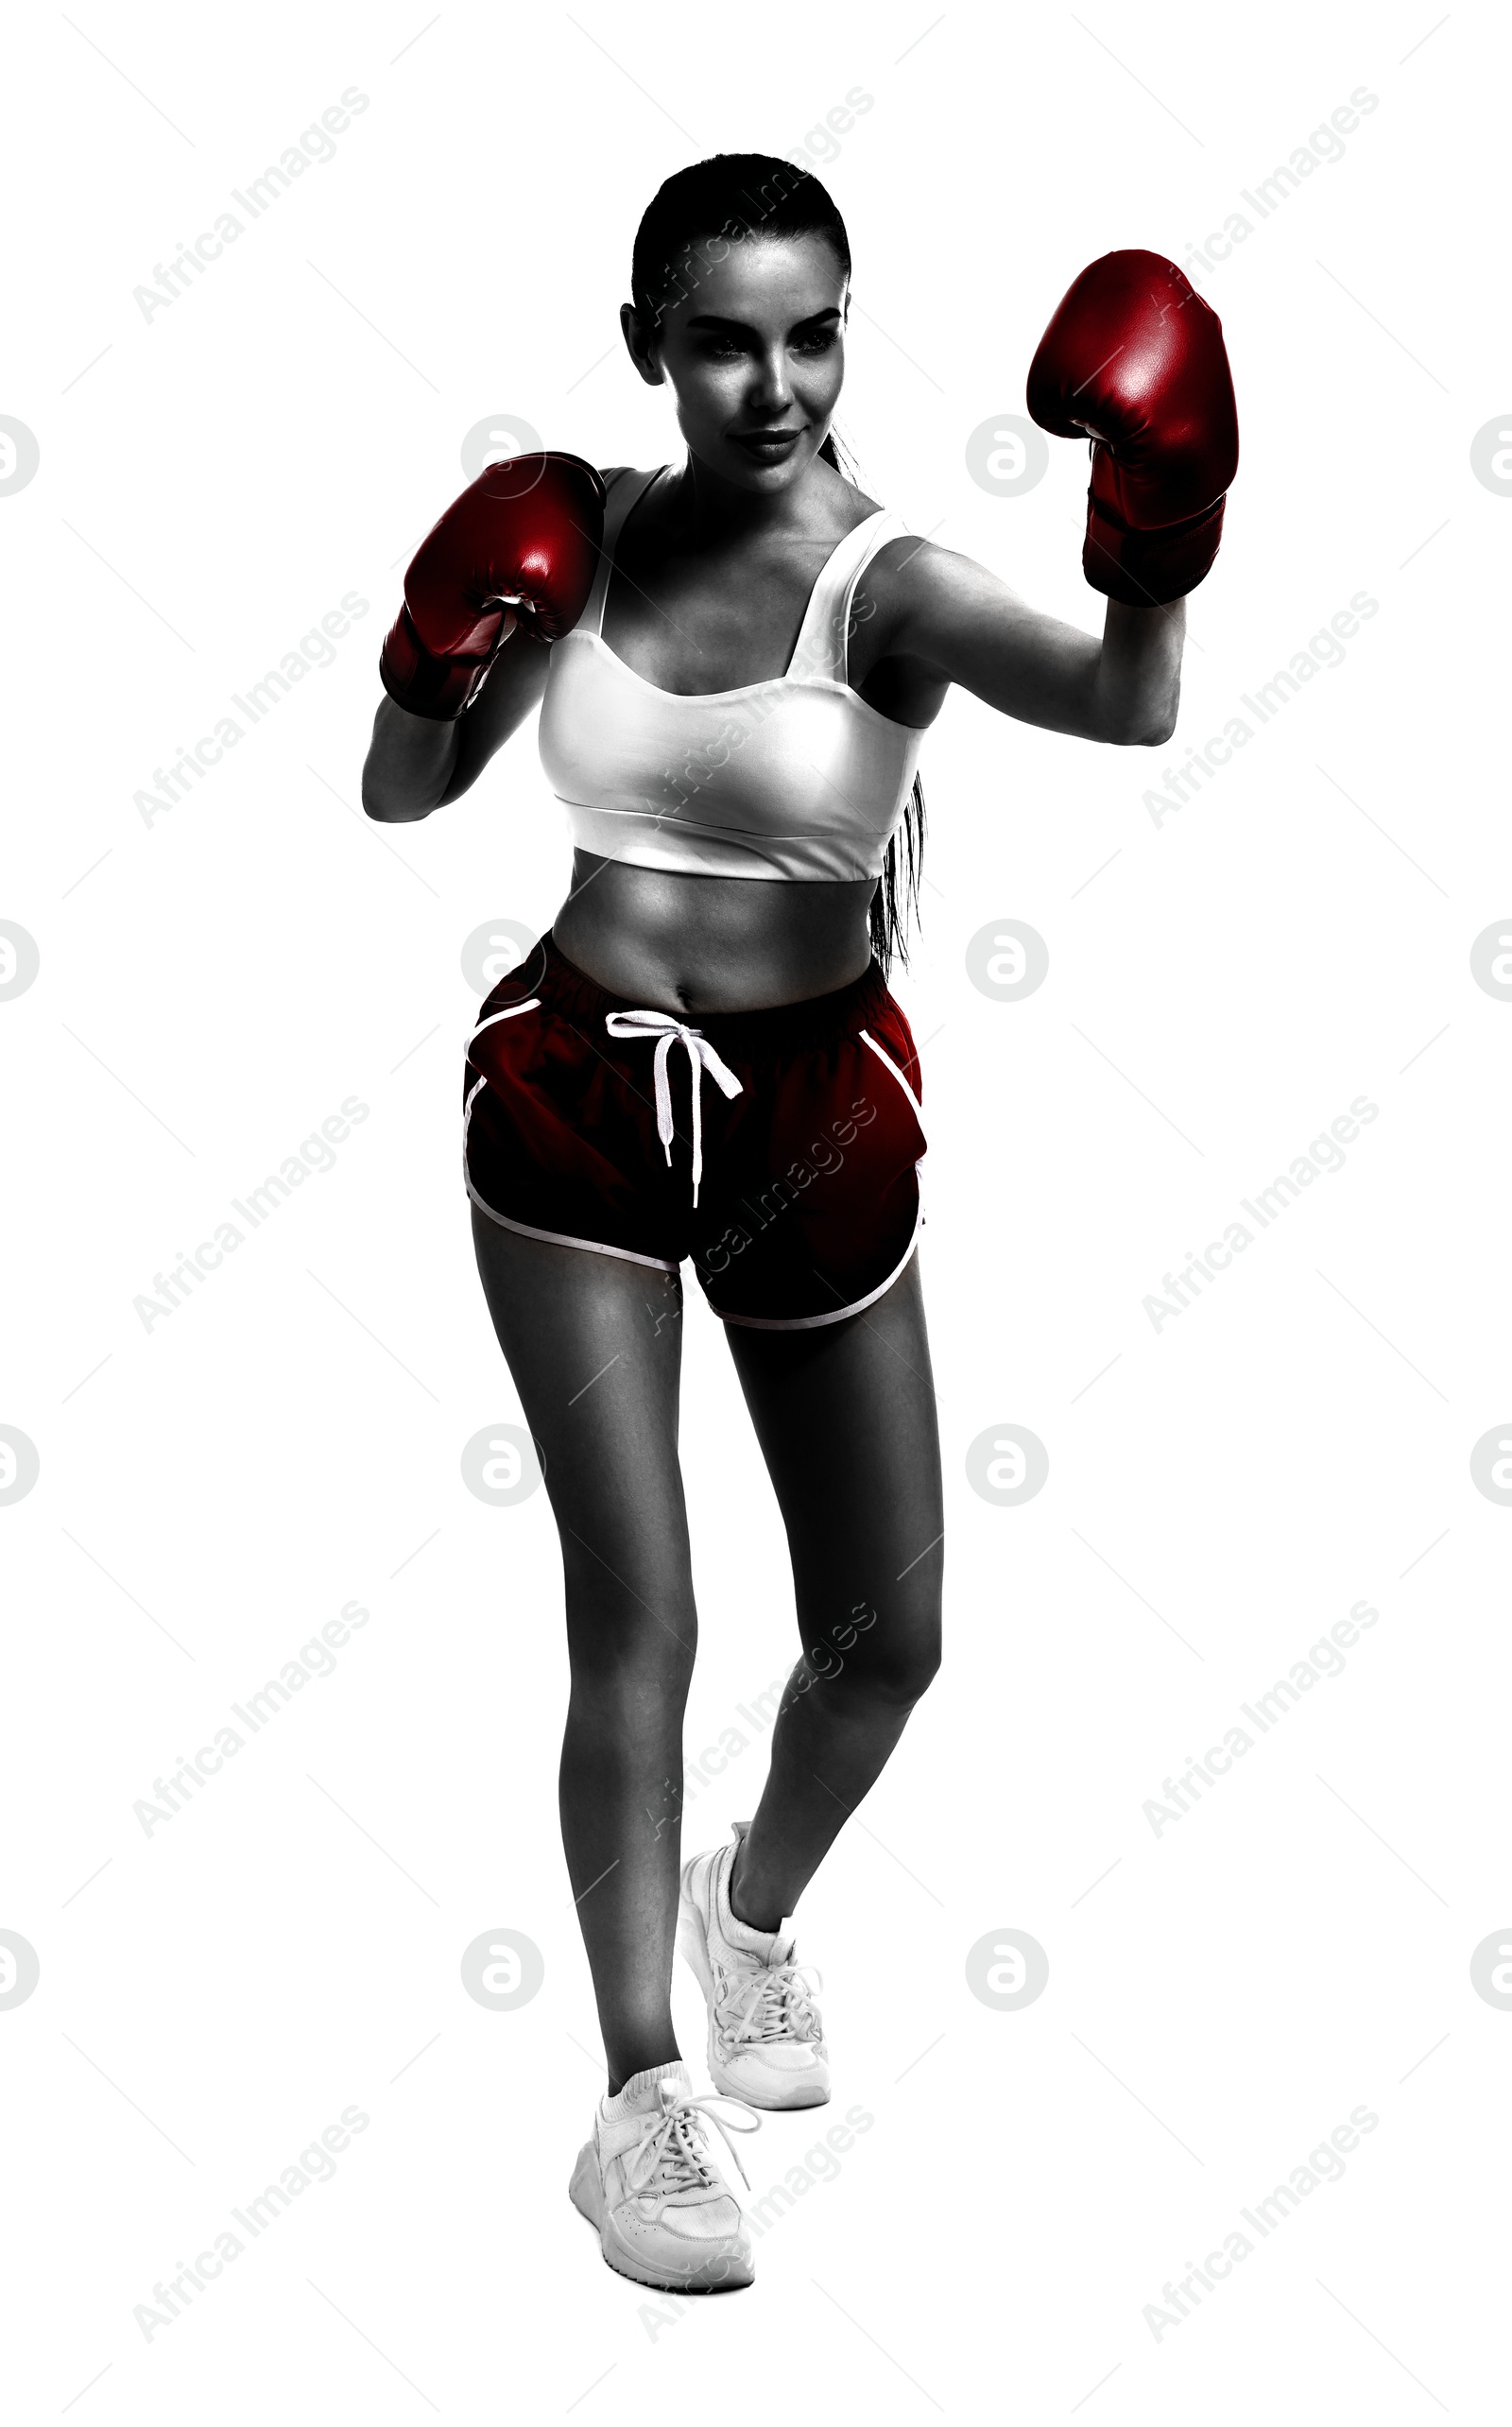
(701, 1057)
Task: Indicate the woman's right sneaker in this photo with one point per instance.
(647, 2181)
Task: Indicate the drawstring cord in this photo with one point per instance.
(701, 1057)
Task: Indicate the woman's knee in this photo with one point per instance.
(630, 1633)
(891, 1655)
(906, 1671)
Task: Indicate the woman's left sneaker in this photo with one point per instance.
(765, 2037)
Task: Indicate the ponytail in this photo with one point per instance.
(895, 904)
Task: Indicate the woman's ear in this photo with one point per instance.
(641, 347)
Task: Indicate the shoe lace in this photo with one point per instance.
(673, 2154)
(773, 2003)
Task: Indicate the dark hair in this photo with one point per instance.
(720, 202)
(723, 201)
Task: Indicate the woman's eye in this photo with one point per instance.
(722, 348)
(820, 342)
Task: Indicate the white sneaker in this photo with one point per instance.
(765, 2039)
(647, 2181)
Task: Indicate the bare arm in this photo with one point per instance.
(957, 623)
(416, 765)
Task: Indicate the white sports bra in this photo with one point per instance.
(795, 777)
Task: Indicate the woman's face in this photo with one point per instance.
(754, 355)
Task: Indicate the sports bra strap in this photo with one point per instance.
(624, 491)
(822, 647)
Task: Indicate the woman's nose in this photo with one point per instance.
(774, 388)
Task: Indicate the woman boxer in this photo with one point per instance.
(735, 660)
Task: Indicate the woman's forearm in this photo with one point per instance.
(410, 763)
(1137, 686)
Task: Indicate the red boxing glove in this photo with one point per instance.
(524, 540)
(1134, 360)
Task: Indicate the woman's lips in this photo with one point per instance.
(767, 442)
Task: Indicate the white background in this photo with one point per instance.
(1220, 1492)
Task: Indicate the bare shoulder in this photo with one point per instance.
(914, 567)
(911, 580)
(609, 474)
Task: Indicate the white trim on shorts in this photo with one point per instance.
(513, 1011)
(528, 1230)
(817, 1322)
(563, 1239)
(887, 1063)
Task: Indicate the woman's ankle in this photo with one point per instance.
(641, 2055)
(748, 1904)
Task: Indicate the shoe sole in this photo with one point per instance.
(586, 2192)
(693, 1944)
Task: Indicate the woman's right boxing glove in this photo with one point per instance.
(524, 540)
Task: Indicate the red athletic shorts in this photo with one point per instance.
(779, 1149)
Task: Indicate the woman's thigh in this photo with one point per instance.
(846, 1420)
(593, 1343)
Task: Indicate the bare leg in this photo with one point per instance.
(846, 1418)
(594, 1346)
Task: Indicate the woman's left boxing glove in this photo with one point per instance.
(1134, 359)
(523, 542)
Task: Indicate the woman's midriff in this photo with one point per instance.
(711, 943)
